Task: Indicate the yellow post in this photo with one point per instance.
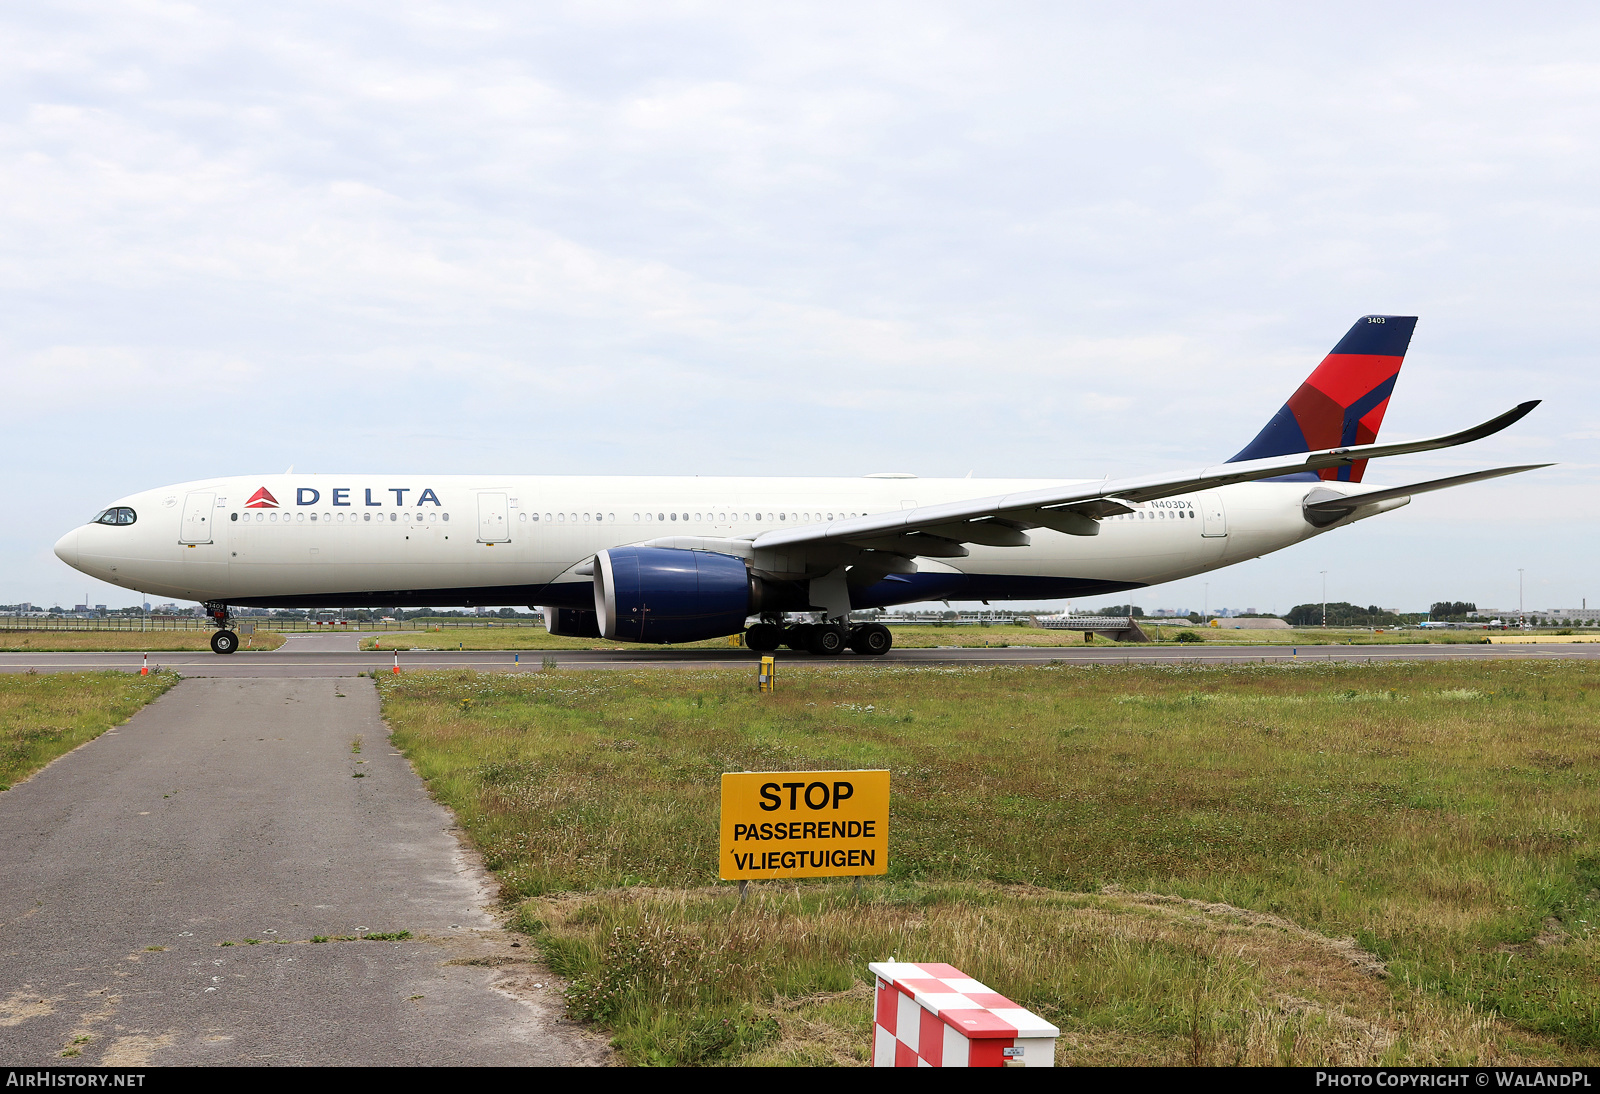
(768, 676)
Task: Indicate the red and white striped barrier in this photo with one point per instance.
(930, 1014)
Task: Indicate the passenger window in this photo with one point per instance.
(233, 516)
(366, 517)
(562, 517)
(611, 516)
(522, 518)
(586, 518)
(535, 516)
(674, 516)
(433, 516)
(636, 518)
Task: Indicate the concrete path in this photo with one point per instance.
(229, 810)
(287, 662)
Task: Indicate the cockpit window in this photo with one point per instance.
(120, 515)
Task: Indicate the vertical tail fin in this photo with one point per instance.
(1342, 402)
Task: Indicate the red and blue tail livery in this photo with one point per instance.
(1343, 401)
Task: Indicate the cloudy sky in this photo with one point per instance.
(699, 238)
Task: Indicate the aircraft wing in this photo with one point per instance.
(938, 531)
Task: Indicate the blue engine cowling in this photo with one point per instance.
(665, 594)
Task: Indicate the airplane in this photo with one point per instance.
(783, 561)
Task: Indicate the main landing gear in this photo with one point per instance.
(822, 639)
(223, 640)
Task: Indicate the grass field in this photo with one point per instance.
(134, 641)
(1312, 863)
(45, 716)
(506, 638)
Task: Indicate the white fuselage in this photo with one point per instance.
(516, 539)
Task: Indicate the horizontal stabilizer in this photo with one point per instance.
(1343, 503)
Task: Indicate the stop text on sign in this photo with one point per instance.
(804, 824)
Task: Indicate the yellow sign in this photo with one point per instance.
(804, 824)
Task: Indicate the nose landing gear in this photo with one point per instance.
(223, 640)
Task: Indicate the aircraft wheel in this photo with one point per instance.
(763, 637)
(798, 637)
(224, 642)
(827, 641)
(873, 638)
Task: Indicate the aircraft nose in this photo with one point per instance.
(67, 548)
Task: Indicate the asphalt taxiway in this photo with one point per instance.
(337, 656)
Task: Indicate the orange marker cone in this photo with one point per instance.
(145, 671)
(397, 664)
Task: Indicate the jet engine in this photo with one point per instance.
(666, 594)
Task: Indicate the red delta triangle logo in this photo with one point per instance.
(262, 499)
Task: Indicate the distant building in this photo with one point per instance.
(1555, 615)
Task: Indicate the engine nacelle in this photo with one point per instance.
(666, 594)
(571, 623)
